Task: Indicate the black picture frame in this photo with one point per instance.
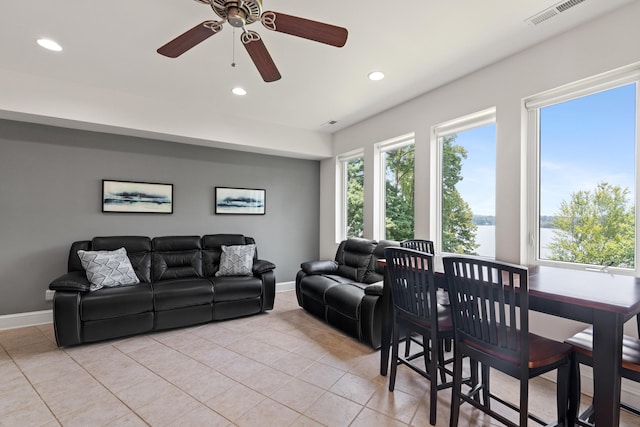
(136, 197)
(240, 201)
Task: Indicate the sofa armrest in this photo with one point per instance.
(75, 281)
(374, 289)
(319, 267)
(261, 266)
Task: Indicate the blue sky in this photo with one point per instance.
(478, 187)
(584, 142)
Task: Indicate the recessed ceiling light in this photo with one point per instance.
(49, 44)
(239, 91)
(376, 75)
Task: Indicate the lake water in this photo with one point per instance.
(486, 237)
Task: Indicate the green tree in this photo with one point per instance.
(355, 197)
(458, 229)
(399, 187)
(595, 227)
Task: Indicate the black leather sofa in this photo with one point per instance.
(346, 292)
(178, 287)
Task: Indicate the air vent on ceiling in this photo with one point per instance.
(554, 10)
(329, 123)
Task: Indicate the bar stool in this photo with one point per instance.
(582, 343)
(488, 299)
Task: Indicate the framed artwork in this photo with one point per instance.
(137, 197)
(240, 201)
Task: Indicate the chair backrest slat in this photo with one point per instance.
(489, 301)
(419, 245)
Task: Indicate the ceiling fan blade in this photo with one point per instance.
(260, 56)
(191, 38)
(305, 28)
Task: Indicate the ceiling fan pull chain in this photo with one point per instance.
(233, 49)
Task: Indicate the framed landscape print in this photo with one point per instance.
(240, 201)
(137, 197)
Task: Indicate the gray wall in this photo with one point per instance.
(51, 188)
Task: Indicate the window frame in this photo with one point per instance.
(341, 190)
(470, 121)
(380, 203)
(531, 158)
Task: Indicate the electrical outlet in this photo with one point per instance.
(48, 295)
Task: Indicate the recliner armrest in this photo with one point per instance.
(374, 289)
(75, 281)
(261, 266)
(319, 267)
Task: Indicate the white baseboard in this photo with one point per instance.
(21, 320)
(285, 286)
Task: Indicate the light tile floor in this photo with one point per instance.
(281, 368)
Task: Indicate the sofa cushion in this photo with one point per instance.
(212, 249)
(315, 285)
(345, 299)
(176, 257)
(176, 265)
(107, 268)
(354, 257)
(138, 250)
(375, 272)
(231, 288)
(179, 293)
(108, 303)
(236, 260)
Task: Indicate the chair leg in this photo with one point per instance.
(426, 354)
(486, 391)
(394, 356)
(407, 344)
(448, 345)
(524, 402)
(457, 388)
(473, 368)
(433, 386)
(443, 374)
(563, 392)
(574, 390)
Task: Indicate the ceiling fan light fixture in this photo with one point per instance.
(49, 44)
(239, 91)
(376, 75)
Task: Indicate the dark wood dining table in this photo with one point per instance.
(601, 299)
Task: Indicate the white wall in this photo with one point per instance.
(607, 43)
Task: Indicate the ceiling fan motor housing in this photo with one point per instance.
(238, 12)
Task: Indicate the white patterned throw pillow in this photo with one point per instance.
(236, 260)
(108, 269)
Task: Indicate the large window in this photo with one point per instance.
(584, 173)
(351, 180)
(466, 150)
(397, 188)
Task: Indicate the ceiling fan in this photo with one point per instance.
(239, 14)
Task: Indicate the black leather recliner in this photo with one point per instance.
(178, 287)
(346, 292)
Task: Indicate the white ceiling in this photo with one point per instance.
(109, 74)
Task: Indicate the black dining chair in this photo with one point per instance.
(582, 344)
(416, 310)
(490, 309)
(427, 246)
